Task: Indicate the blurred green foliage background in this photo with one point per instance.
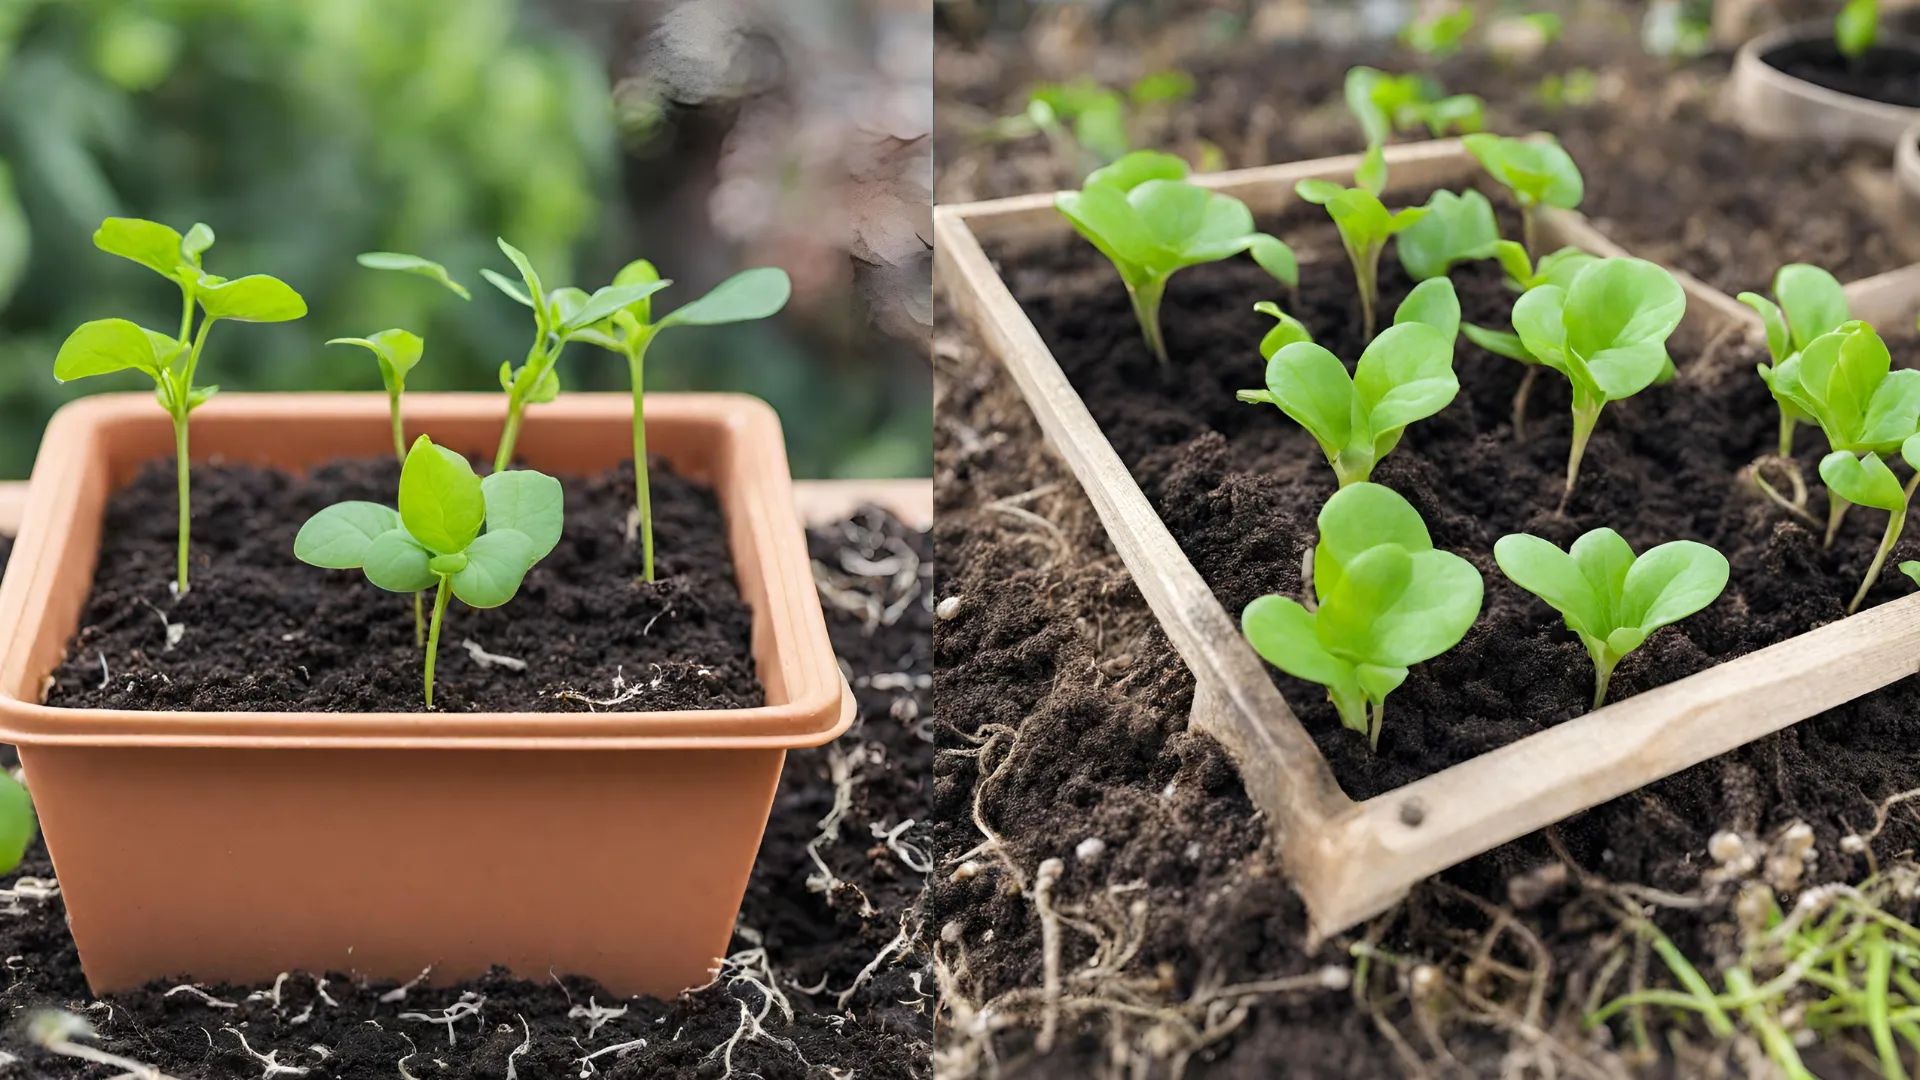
(305, 131)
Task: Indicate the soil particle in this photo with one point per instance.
(882, 1030)
(1240, 487)
(266, 632)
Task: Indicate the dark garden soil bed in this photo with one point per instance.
(882, 1028)
(1240, 486)
(1884, 73)
(266, 632)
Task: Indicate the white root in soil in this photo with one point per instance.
(490, 660)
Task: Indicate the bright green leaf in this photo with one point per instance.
(441, 501)
(338, 537)
(528, 502)
(412, 264)
(254, 298)
(396, 562)
(496, 564)
(149, 243)
(1457, 228)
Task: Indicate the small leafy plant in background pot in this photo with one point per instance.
(1381, 599)
(1149, 221)
(1405, 374)
(435, 540)
(104, 346)
(1611, 599)
(1811, 302)
(1856, 28)
(1538, 171)
(1607, 333)
(1558, 269)
(750, 294)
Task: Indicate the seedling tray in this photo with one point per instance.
(1353, 859)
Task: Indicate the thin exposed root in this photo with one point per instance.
(268, 1061)
(399, 993)
(618, 1050)
(843, 768)
(208, 999)
(58, 1032)
(526, 1044)
(469, 1004)
(596, 1015)
(487, 660)
(1049, 876)
(899, 944)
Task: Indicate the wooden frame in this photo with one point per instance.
(1351, 860)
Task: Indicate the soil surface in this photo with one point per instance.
(1883, 73)
(266, 632)
(1240, 487)
(789, 935)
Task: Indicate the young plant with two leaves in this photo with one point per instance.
(397, 351)
(1844, 381)
(1866, 480)
(1606, 332)
(1365, 225)
(1381, 599)
(1405, 374)
(105, 346)
(1612, 599)
(1538, 171)
(1384, 103)
(435, 539)
(1149, 221)
(1810, 302)
(750, 294)
(1557, 269)
(1089, 124)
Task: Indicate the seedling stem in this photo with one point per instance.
(1520, 402)
(1836, 510)
(1585, 415)
(1146, 308)
(1896, 521)
(441, 594)
(643, 498)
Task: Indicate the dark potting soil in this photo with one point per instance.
(1885, 73)
(266, 632)
(882, 1029)
(1240, 487)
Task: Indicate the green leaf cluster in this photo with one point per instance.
(1811, 303)
(1149, 221)
(1844, 380)
(1606, 332)
(1093, 116)
(1438, 35)
(1856, 28)
(1538, 171)
(1405, 374)
(1455, 228)
(1866, 480)
(1557, 269)
(1385, 103)
(105, 346)
(1611, 599)
(1365, 226)
(435, 538)
(1383, 600)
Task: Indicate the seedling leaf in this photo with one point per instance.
(196, 242)
(153, 245)
(495, 565)
(396, 562)
(1539, 172)
(604, 302)
(749, 294)
(105, 346)
(254, 298)
(413, 264)
(338, 537)
(1456, 228)
(506, 285)
(441, 502)
(527, 502)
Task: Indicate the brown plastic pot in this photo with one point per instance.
(235, 846)
(1768, 102)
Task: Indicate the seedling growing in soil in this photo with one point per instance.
(1844, 381)
(628, 330)
(1405, 374)
(1812, 303)
(1559, 268)
(1149, 221)
(1607, 334)
(1365, 227)
(1385, 103)
(396, 351)
(1610, 598)
(105, 346)
(435, 539)
(1439, 35)
(1538, 172)
(557, 317)
(1084, 120)
(1456, 228)
(1866, 480)
(1381, 600)
(1856, 28)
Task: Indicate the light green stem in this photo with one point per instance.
(419, 624)
(1146, 308)
(642, 497)
(1378, 720)
(399, 430)
(186, 512)
(1602, 675)
(510, 434)
(1527, 233)
(1786, 435)
(1896, 521)
(1520, 402)
(1366, 274)
(442, 593)
(1584, 419)
(1836, 510)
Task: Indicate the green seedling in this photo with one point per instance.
(1086, 123)
(17, 821)
(747, 295)
(557, 317)
(396, 351)
(1539, 172)
(1439, 35)
(412, 264)
(105, 346)
(1456, 228)
(1384, 103)
(1143, 215)
(1865, 479)
(1607, 333)
(1856, 28)
(1575, 88)
(435, 540)
(1844, 381)
(1381, 599)
(1405, 374)
(1811, 303)
(1365, 226)
(1558, 268)
(1613, 600)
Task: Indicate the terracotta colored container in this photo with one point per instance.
(235, 846)
(1768, 102)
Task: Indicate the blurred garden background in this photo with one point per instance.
(705, 135)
